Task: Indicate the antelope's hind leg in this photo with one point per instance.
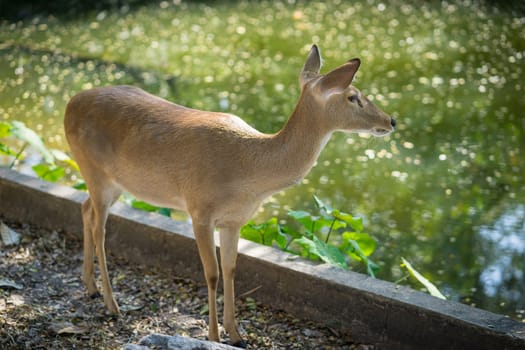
(88, 264)
(103, 192)
(101, 207)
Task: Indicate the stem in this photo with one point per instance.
(330, 231)
(18, 155)
(404, 278)
(288, 245)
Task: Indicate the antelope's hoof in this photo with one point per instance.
(114, 311)
(110, 316)
(240, 344)
(95, 295)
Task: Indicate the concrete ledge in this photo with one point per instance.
(374, 311)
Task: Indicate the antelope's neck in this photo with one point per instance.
(295, 149)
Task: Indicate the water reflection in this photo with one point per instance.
(504, 247)
(445, 190)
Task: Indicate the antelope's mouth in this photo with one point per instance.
(380, 131)
(383, 131)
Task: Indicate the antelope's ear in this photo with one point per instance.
(311, 67)
(341, 77)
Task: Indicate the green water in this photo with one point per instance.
(446, 190)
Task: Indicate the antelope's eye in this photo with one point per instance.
(356, 98)
(353, 98)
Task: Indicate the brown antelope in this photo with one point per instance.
(212, 165)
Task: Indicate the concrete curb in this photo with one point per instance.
(374, 311)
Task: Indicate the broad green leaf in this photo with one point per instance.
(51, 173)
(322, 205)
(354, 251)
(326, 252)
(63, 157)
(337, 225)
(138, 204)
(288, 231)
(265, 233)
(143, 205)
(280, 239)
(251, 232)
(80, 186)
(164, 211)
(273, 233)
(355, 223)
(6, 150)
(304, 218)
(366, 243)
(311, 223)
(299, 214)
(324, 223)
(357, 245)
(432, 289)
(5, 129)
(20, 131)
(372, 268)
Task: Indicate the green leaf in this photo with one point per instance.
(322, 205)
(371, 268)
(266, 233)
(338, 224)
(273, 233)
(354, 251)
(5, 129)
(304, 218)
(300, 215)
(326, 252)
(20, 131)
(63, 157)
(80, 186)
(281, 239)
(432, 289)
(355, 223)
(138, 204)
(6, 150)
(367, 244)
(252, 232)
(288, 231)
(49, 172)
(164, 211)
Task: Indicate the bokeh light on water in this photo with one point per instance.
(446, 190)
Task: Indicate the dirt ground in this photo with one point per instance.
(44, 305)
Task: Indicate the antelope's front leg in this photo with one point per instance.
(229, 240)
(101, 209)
(206, 244)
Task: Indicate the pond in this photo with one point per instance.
(446, 191)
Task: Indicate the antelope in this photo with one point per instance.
(212, 165)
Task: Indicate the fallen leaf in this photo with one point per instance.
(67, 328)
(127, 308)
(16, 300)
(9, 236)
(432, 289)
(8, 284)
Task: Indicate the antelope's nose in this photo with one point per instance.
(393, 122)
